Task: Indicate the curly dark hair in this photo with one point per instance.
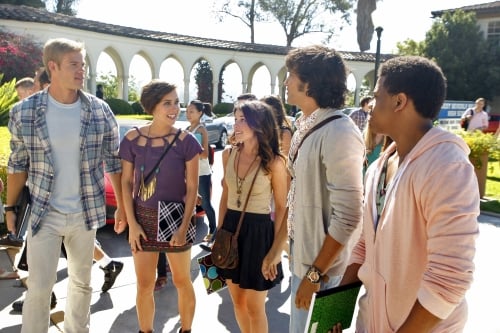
(153, 92)
(324, 71)
(260, 119)
(420, 79)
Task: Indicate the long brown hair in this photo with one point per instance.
(260, 119)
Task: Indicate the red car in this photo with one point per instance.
(125, 125)
(493, 124)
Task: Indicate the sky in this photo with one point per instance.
(400, 19)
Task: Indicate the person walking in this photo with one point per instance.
(194, 112)
(476, 118)
(360, 116)
(254, 170)
(416, 254)
(174, 179)
(326, 192)
(24, 87)
(61, 140)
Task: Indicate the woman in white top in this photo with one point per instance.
(476, 116)
(194, 112)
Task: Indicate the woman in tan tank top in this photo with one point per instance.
(256, 153)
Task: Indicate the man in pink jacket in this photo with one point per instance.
(415, 256)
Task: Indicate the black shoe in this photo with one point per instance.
(110, 273)
(18, 305)
(10, 240)
(207, 248)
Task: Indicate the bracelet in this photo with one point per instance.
(7, 208)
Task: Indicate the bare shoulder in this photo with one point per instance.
(134, 132)
(278, 164)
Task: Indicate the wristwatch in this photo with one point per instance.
(313, 274)
(7, 208)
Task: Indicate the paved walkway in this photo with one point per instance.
(115, 311)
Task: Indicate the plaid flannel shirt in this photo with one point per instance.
(31, 153)
(360, 118)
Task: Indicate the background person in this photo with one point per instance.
(41, 79)
(476, 117)
(175, 179)
(360, 116)
(64, 169)
(194, 112)
(100, 91)
(24, 87)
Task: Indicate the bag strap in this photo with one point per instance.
(163, 155)
(245, 205)
(315, 127)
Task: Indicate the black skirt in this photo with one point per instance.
(255, 239)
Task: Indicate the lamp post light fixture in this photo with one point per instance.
(377, 55)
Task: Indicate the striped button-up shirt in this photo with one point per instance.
(31, 153)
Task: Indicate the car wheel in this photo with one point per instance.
(222, 139)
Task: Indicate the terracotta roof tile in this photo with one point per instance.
(30, 14)
(484, 8)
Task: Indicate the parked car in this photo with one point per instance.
(217, 128)
(493, 123)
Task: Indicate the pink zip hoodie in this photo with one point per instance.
(424, 244)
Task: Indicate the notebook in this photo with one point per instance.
(332, 306)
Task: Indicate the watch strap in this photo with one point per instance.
(8, 208)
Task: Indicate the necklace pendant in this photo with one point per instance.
(238, 203)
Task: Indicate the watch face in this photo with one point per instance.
(313, 276)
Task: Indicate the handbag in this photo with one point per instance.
(161, 224)
(170, 216)
(213, 281)
(225, 248)
(464, 122)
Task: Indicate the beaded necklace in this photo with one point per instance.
(240, 181)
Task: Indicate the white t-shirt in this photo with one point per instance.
(478, 120)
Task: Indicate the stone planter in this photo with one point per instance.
(481, 175)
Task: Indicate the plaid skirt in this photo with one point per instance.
(148, 219)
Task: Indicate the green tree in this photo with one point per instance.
(204, 79)
(301, 17)
(245, 11)
(66, 7)
(30, 3)
(296, 17)
(411, 47)
(468, 61)
(20, 56)
(110, 85)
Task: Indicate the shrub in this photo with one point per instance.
(8, 97)
(119, 106)
(479, 143)
(223, 108)
(20, 55)
(137, 107)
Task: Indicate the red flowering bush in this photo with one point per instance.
(20, 56)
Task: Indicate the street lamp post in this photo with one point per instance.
(377, 55)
